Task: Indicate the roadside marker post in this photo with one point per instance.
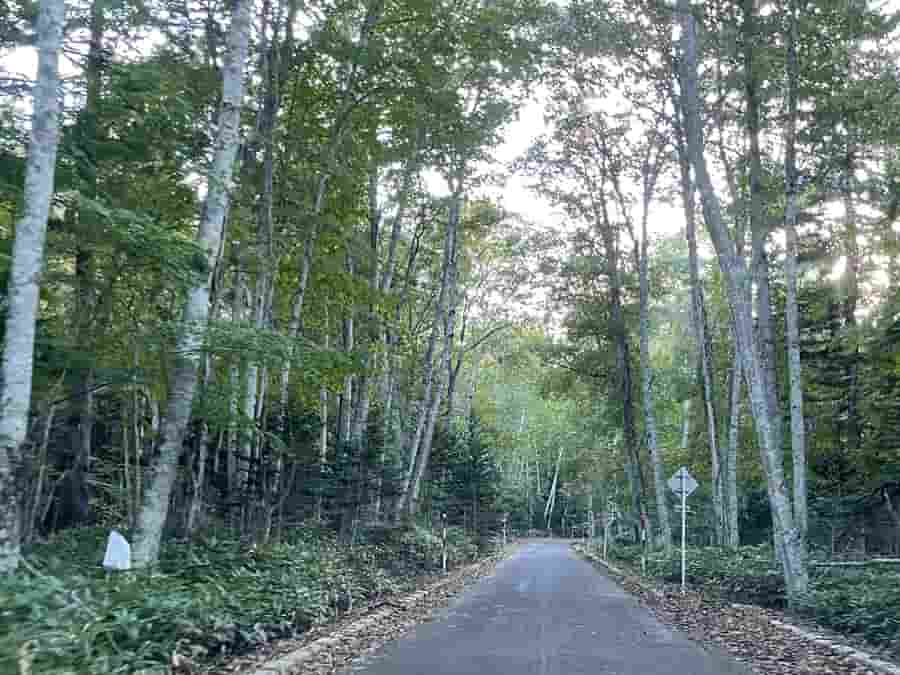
(444, 542)
(608, 519)
(683, 483)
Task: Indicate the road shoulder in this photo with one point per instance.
(749, 634)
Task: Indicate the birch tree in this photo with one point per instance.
(25, 275)
(151, 518)
(649, 173)
(792, 313)
(737, 278)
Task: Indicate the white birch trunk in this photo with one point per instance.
(736, 277)
(428, 377)
(155, 507)
(551, 501)
(732, 531)
(792, 314)
(25, 275)
(698, 326)
(685, 423)
(451, 257)
(659, 479)
(698, 319)
(765, 322)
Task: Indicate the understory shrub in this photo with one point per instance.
(866, 603)
(205, 600)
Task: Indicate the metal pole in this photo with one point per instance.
(605, 537)
(444, 542)
(683, 532)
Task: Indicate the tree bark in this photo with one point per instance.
(759, 230)
(685, 423)
(345, 414)
(428, 379)
(198, 473)
(551, 500)
(155, 507)
(237, 464)
(735, 380)
(25, 276)
(791, 216)
(75, 498)
(736, 277)
(619, 337)
(718, 463)
(445, 318)
(698, 325)
(851, 298)
(659, 479)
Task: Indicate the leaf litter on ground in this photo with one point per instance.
(346, 642)
(745, 632)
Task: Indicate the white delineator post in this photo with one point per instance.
(605, 540)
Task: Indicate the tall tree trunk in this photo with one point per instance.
(446, 314)
(25, 276)
(698, 322)
(735, 381)
(205, 440)
(237, 465)
(323, 450)
(792, 313)
(429, 375)
(198, 473)
(345, 414)
(349, 399)
(759, 230)
(369, 334)
(685, 423)
(623, 361)
(155, 507)
(659, 479)
(851, 298)
(736, 278)
(338, 131)
(551, 500)
(76, 502)
(296, 319)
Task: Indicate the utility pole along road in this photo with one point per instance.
(545, 612)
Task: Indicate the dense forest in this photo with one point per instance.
(261, 275)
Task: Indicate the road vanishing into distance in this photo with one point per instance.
(545, 612)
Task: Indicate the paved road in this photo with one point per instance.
(545, 612)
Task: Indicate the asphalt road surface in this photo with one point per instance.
(545, 612)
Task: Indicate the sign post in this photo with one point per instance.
(683, 483)
(608, 519)
(444, 542)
